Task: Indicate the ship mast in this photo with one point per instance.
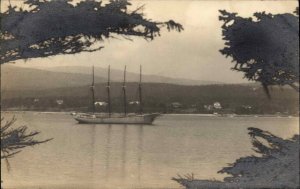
(92, 87)
(140, 91)
(108, 91)
(124, 93)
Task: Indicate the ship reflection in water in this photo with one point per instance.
(120, 158)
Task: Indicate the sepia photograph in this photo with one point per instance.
(149, 94)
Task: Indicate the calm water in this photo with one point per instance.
(133, 156)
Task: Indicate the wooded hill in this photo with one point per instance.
(20, 78)
(159, 97)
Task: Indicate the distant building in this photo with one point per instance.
(134, 102)
(176, 105)
(247, 106)
(59, 102)
(101, 103)
(217, 105)
(36, 100)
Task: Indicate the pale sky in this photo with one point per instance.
(192, 54)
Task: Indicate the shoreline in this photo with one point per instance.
(168, 114)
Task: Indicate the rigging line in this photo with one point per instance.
(92, 87)
(124, 92)
(140, 91)
(108, 92)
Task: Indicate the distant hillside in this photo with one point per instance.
(150, 90)
(158, 97)
(17, 78)
(117, 75)
(20, 86)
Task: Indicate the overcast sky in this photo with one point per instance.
(192, 54)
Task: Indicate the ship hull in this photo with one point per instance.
(130, 119)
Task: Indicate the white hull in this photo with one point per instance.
(115, 119)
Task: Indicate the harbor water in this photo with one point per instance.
(132, 156)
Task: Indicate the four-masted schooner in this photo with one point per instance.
(114, 118)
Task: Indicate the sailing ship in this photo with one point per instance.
(114, 118)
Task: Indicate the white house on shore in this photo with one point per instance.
(217, 105)
(101, 103)
(59, 102)
(176, 105)
(134, 103)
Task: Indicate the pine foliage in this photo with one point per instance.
(58, 27)
(265, 47)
